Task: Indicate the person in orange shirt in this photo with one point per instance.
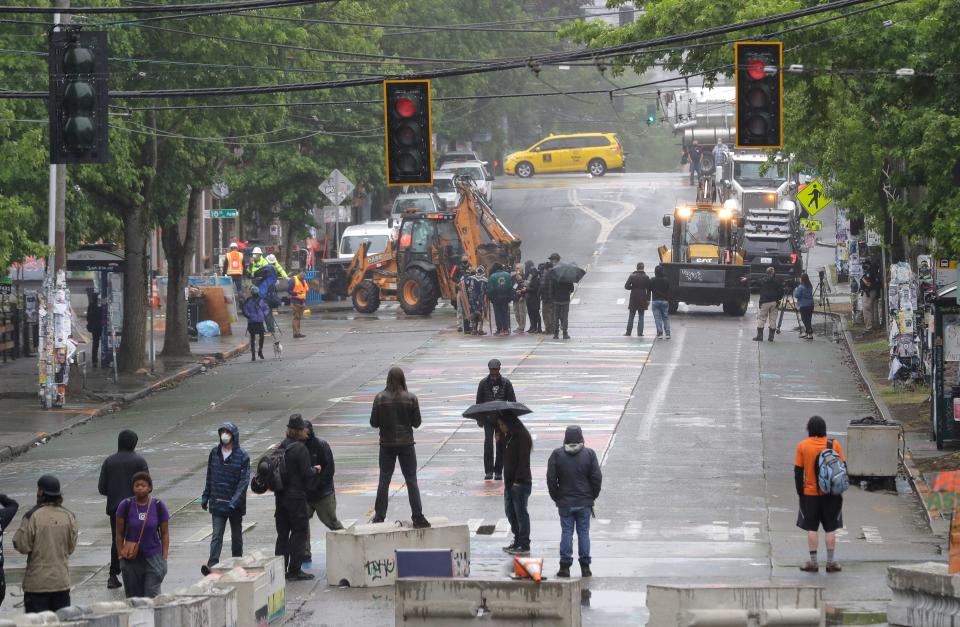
(816, 508)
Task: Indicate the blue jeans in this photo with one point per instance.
(661, 315)
(570, 517)
(515, 506)
(216, 540)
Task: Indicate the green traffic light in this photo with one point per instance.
(77, 60)
(79, 97)
(79, 133)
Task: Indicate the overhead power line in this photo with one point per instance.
(532, 62)
(236, 5)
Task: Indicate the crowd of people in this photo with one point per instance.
(535, 293)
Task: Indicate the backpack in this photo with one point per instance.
(271, 470)
(832, 475)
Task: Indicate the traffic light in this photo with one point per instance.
(759, 94)
(78, 97)
(407, 122)
(651, 114)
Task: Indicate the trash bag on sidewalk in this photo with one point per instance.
(208, 328)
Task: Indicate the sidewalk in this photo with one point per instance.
(23, 423)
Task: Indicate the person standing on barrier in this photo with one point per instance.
(803, 294)
(47, 536)
(143, 538)
(225, 493)
(298, 288)
(771, 291)
(517, 480)
(396, 413)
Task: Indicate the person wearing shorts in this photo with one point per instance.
(816, 508)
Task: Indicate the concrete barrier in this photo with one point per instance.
(750, 606)
(365, 555)
(422, 602)
(223, 601)
(272, 567)
(136, 612)
(923, 595)
(252, 595)
(177, 611)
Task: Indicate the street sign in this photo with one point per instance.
(813, 198)
(809, 224)
(224, 213)
(220, 190)
(810, 239)
(873, 238)
(337, 187)
(330, 214)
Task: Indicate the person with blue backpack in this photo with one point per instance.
(820, 474)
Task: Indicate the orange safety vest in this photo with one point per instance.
(234, 262)
(300, 288)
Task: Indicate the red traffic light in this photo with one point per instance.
(405, 107)
(755, 69)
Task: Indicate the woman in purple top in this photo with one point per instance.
(143, 521)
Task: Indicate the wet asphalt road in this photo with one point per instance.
(696, 433)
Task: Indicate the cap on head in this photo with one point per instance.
(257, 251)
(271, 258)
(296, 421)
(771, 271)
(554, 257)
(49, 485)
(493, 364)
(233, 244)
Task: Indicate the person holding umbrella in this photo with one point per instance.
(562, 277)
(493, 387)
(517, 480)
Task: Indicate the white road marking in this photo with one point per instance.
(473, 524)
(653, 408)
(606, 224)
(621, 301)
(871, 535)
(203, 534)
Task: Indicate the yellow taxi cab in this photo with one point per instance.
(581, 152)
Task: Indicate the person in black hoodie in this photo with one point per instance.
(8, 509)
(573, 481)
(94, 324)
(639, 285)
(517, 480)
(493, 387)
(116, 483)
(321, 496)
(291, 516)
(531, 277)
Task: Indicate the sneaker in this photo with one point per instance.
(488, 476)
(299, 576)
(498, 476)
(556, 336)
(204, 570)
(376, 519)
(299, 335)
(833, 567)
(810, 567)
(659, 336)
(564, 571)
(626, 334)
(520, 550)
(668, 336)
(420, 522)
(260, 355)
(509, 548)
(566, 336)
(114, 582)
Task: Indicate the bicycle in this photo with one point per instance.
(277, 335)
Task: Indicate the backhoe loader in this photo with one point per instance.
(418, 267)
(704, 265)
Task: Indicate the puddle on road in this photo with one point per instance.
(609, 607)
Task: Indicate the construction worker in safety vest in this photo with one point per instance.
(272, 260)
(298, 288)
(256, 261)
(233, 267)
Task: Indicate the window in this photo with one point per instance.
(474, 172)
(448, 236)
(552, 144)
(703, 228)
(753, 246)
(443, 185)
(759, 172)
(350, 244)
(422, 235)
(420, 204)
(594, 142)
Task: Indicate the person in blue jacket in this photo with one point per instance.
(803, 294)
(256, 310)
(225, 494)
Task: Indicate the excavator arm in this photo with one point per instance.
(474, 218)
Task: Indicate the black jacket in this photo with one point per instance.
(639, 285)
(771, 290)
(573, 472)
(516, 459)
(320, 455)
(95, 317)
(546, 285)
(396, 416)
(659, 288)
(299, 470)
(532, 279)
(117, 471)
(9, 510)
(559, 290)
(490, 390)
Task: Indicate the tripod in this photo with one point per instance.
(787, 302)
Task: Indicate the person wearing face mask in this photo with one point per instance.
(225, 493)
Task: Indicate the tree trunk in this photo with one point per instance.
(176, 341)
(132, 343)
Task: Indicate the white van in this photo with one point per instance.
(379, 233)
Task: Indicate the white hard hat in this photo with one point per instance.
(233, 244)
(257, 251)
(271, 259)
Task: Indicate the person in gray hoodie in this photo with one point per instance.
(573, 480)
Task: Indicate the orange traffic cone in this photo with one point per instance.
(528, 567)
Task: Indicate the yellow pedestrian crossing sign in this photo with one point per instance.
(813, 198)
(809, 224)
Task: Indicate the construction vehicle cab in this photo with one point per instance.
(417, 268)
(703, 264)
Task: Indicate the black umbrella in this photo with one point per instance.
(568, 273)
(492, 407)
